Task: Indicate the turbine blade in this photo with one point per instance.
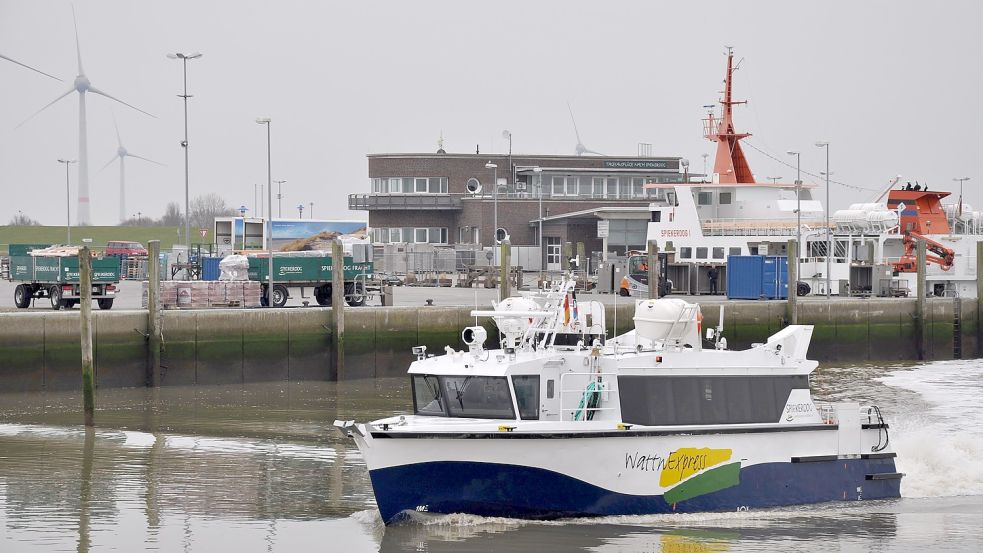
(70, 90)
(29, 67)
(101, 93)
(145, 159)
(575, 131)
(595, 153)
(116, 126)
(78, 50)
(108, 163)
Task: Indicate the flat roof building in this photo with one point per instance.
(451, 199)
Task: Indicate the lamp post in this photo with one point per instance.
(310, 214)
(300, 211)
(798, 215)
(829, 235)
(506, 134)
(959, 211)
(269, 220)
(279, 198)
(68, 199)
(494, 169)
(184, 144)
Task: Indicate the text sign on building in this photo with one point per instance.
(603, 229)
(637, 164)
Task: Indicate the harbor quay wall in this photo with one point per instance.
(42, 350)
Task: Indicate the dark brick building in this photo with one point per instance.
(451, 199)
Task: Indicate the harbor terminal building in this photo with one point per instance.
(541, 202)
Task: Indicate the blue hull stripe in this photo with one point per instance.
(489, 489)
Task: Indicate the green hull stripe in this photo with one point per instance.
(712, 480)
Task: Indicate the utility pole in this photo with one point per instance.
(279, 197)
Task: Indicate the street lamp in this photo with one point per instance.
(184, 144)
(798, 215)
(300, 211)
(279, 197)
(310, 214)
(68, 200)
(959, 211)
(829, 235)
(269, 200)
(494, 169)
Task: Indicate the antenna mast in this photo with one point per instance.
(730, 164)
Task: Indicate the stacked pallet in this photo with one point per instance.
(177, 294)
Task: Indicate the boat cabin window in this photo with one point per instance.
(479, 397)
(657, 216)
(549, 388)
(718, 253)
(734, 251)
(701, 253)
(527, 395)
(669, 400)
(685, 253)
(725, 198)
(704, 198)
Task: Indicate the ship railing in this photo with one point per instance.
(605, 387)
(869, 414)
(757, 227)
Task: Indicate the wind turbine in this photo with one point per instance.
(121, 154)
(11, 60)
(580, 149)
(82, 85)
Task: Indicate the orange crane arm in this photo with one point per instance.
(943, 257)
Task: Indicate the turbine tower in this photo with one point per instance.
(121, 154)
(82, 85)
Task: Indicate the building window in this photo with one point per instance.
(701, 253)
(553, 248)
(704, 198)
(725, 198)
(612, 188)
(686, 253)
(421, 186)
(597, 187)
(411, 185)
(718, 253)
(559, 186)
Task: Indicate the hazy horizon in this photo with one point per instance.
(891, 85)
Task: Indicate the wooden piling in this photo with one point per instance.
(505, 285)
(920, 336)
(652, 259)
(338, 304)
(85, 325)
(792, 305)
(154, 321)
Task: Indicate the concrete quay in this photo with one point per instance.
(40, 349)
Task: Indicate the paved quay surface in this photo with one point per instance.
(129, 297)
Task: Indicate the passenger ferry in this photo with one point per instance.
(559, 422)
(867, 249)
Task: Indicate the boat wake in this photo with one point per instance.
(939, 439)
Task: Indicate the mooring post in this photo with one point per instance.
(338, 304)
(153, 312)
(920, 336)
(85, 325)
(979, 298)
(792, 305)
(505, 262)
(652, 262)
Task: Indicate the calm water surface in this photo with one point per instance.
(258, 468)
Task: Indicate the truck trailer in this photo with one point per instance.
(53, 273)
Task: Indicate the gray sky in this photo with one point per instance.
(892, 85)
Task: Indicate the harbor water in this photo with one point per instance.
(258, 468)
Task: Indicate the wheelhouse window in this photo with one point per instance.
(481, 397)
(527, 395)
(426, 396)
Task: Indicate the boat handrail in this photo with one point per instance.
(606, 389)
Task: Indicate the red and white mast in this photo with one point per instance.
(730, 163)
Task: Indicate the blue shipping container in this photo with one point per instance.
(751, 277)
(209, 268)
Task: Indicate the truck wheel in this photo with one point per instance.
(355, 294)
(106, 303)
(322, 294)
(623, 292)
(54, 294)
(279, 295)
(22, 296)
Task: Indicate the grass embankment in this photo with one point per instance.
(168, 236)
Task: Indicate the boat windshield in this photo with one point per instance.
(484, 397)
